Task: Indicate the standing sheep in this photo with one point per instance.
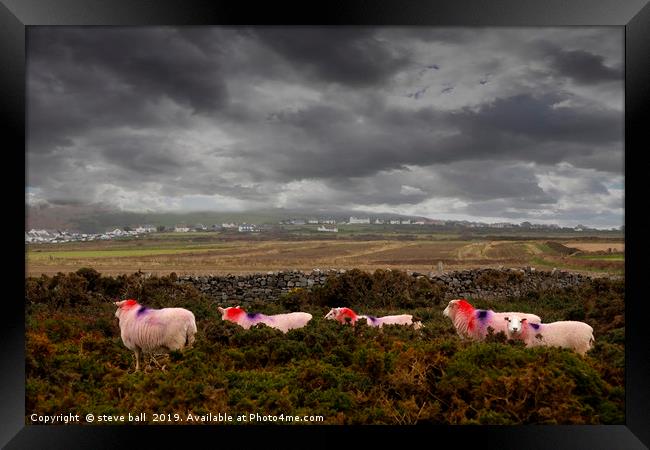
(146, 330)
(282, 322)
(571, 334)
(472, 323)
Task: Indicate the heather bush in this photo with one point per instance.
(75, 360)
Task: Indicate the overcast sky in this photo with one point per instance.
(486, 124)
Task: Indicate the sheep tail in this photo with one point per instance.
(189, 336)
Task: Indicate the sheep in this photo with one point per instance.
(343, 315)
(148, 330)
(401, 319)
(471, 323)
(282, 322)
(572, 334)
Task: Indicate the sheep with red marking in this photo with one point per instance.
(147, 330)
(472, 323)
(347, 315)
(282, 322)
(572, 334)
(342, 315)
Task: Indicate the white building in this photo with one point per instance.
(181, 229)
(359, 220)
(246, 228)
(378, 222)
(331, 230)
(228, 225)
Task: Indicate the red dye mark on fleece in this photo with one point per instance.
(467, 311)
(346, 312)
(130, 303)
(234, 312)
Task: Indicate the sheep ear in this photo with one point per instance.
(523, 319)
(220, 309)
(506, 318)
(119, 304)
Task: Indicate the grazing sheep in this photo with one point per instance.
(147, 330)
(571, 334)
(283, 322)
(400, 319)
(346, 315)
(472, 323)
(343, 315)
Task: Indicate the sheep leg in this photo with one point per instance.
(153, 358)
(137, 358)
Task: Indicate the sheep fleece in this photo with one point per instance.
(158, 329)
(570, 334)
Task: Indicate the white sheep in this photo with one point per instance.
(572, 334)
(347, 315)
(400, 319)
(472, 323)
(282, 322)
(147, 330)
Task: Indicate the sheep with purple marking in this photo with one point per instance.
(282, 322)
(399, 319)
(472, 323)
(572, 334)
(147, 330)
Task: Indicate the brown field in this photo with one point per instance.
(199, 256)
(596, 246)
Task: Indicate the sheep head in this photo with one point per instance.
(124, 304)
(334, 312)
(515, 324)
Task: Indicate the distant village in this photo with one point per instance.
(326, 225)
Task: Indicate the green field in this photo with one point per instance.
(232, 252)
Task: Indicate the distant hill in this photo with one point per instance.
(99, 218)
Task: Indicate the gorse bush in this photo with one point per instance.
(76, 362)
(382, 289)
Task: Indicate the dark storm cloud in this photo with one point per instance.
(346, 117)
(539, 118)
(147, 62)
(580, 65)
(350, 56)
(332, 142)
(80, 79)
(485, 181)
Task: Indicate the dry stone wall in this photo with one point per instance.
(476, 283)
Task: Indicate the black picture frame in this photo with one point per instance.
(634, 16)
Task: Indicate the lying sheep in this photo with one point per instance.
(472, 323)
(342, 315)
(400, 319)
(571, 334)
(282, 322)
(146, 330)
(346, 315)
